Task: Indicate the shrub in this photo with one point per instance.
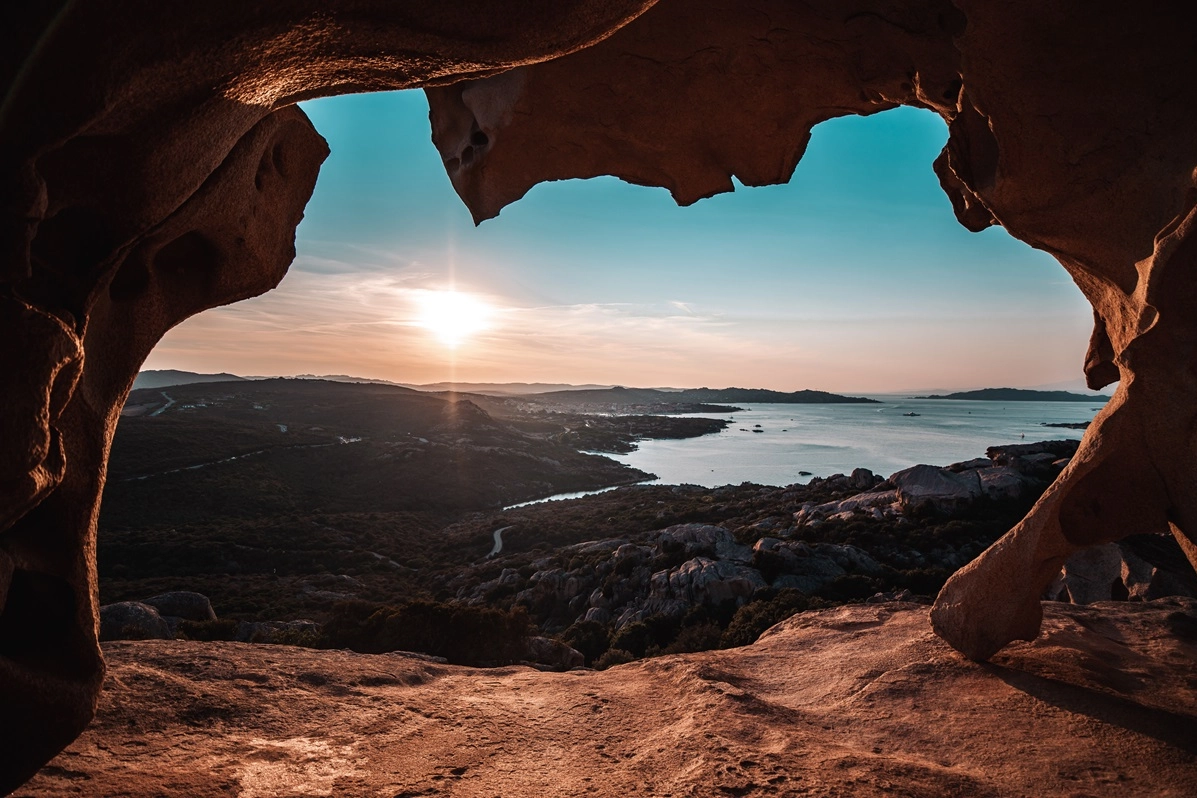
(700, 637)
(751, 620)
(614, 656)
(222, 629)
(633, 638)
(588, 637)
(462, 634)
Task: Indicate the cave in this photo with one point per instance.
(157, 166)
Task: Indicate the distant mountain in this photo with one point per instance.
(652, 396)
(1020, 395)
(1075, 385)
(499, 388)
(162, 378)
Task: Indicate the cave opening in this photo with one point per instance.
(873, 287)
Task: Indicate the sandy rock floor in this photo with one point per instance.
(855, 701)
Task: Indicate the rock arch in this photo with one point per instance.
(154, 166)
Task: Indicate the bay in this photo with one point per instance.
(836, 438)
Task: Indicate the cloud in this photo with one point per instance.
(327, 318)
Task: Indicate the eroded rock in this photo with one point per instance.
(862, 700)
(132, 620)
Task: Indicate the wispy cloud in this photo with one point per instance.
(369, 324)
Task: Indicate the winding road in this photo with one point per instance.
(498, 547)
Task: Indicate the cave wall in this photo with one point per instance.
(154, 166)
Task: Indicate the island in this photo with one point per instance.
(1019, 395)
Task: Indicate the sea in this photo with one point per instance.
(784, 444)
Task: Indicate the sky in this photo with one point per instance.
(854, 277)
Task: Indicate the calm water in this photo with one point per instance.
(829, 439)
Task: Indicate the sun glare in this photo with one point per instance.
(451, 316)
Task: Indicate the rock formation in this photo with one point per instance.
(153, 167)
(860, 701)
(1091, 160)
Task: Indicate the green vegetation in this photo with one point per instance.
(463, 635)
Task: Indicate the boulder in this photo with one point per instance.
(863, 479)
(705, 581)
(924, 488)
(554, 654)
(132, 620)
(598, 615)
(183, 604)
(849, 558)
(874, 504)
(1001, 482)
(1141, 568)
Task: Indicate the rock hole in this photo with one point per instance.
(1118, 591)
(264, 168)
(278, 157)
(467, 156)
(479, 139)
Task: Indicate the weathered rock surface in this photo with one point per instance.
(924, 487)
(858, 701)
(1138, 568)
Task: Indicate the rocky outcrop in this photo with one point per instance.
(553, 654)
(1008, 473)
(1139, 568)
(924, 487)
(132, 620)
(859, 701)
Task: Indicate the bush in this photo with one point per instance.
(464, 635)
(223, 629)
(751, 620)
(588, 637)
(614, 656)
(700, 637)
(633, 638)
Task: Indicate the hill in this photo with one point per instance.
(162, 378)
(210, 450)
(619, 397)
(501, 388)
(254, 491)
(1019, 395)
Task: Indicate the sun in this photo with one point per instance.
(452, 316)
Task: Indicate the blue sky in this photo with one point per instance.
(853, 277)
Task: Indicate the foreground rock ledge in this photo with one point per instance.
(855, 701)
